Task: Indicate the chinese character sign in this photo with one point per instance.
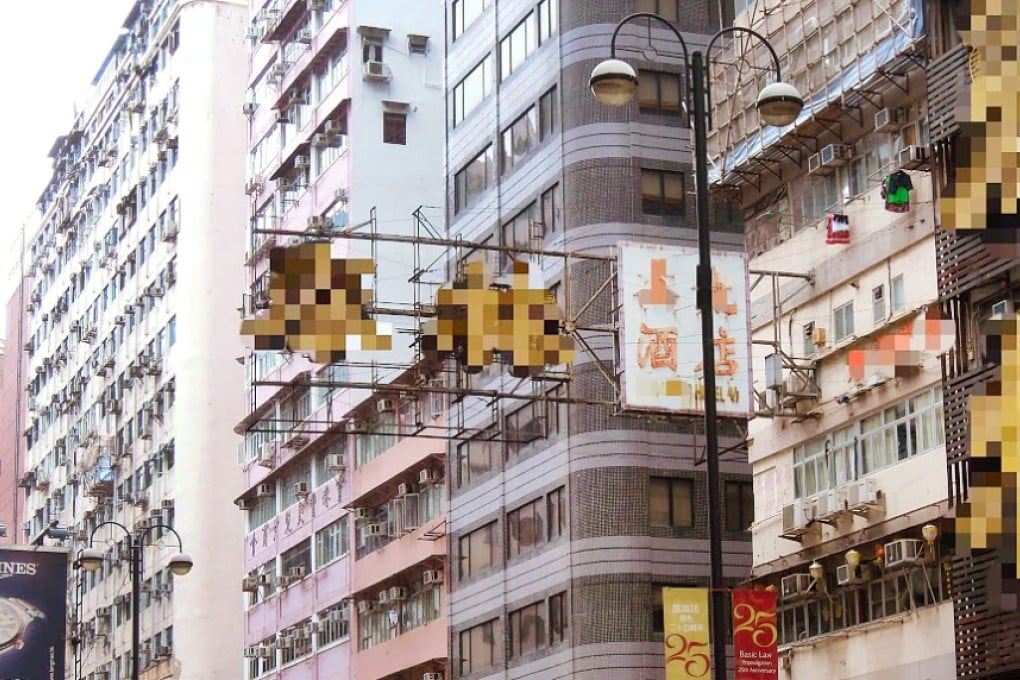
(755, 635)
(318, 305)
(662, 330)
(686, 633)
(33, 612)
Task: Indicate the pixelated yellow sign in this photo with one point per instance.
(318, 305)
(476, 320)
(685, 614)
(989, 519)
(985, 192)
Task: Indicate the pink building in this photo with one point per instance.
(344, 538)
(12, 409)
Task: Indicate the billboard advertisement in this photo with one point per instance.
(661, 344)
(33, 613)
(686, 633)
(755, 635)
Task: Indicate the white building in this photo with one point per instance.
(131, 374)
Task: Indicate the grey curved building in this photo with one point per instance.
(566, 519)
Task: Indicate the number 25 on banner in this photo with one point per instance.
(755, 635)
(688, 653)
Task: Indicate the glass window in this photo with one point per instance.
(557, 513)
(479, 550)
(332, 542)
(526, 526)
(843, 321)
(394, 128)
(809, 338)
(662, 192)
(465, 12)
(477, 647)
(516, 47)
(878, 304)
(474, 179)
(739, 505)
(670, 502)
(298, 557)
(526, 630)
(472, 90)
(334, 624)
(810, 468)
(659, 92)
(899, 294)
(477, 456)
(559, 618)
(667, 9)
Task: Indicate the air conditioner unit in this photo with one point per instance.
(320, 139)
(304, 36)
(847, 576)
(886, 120)
(296, 572)
(398, 593)
(1003, 309)
(374, 529)
(905, 552)
(363, 514)
(384, 405)
(248, 108)
(432, 676)
(383, 597)
(830, 504)
(797, 517)
(264, 579)
(912, 157)
(249, 584)
(243, 504)
(835, 154)
(796, 587)
(428, 476)
(265, 490)
(252, 652)
(253, 186)
(335, 463)
(301, 490)
(431, 577)
(319, 223)
(267, 455)
(404, 488)
(377, 70)
(266, 651)
(300, 161)
(365, 606)
(800, 386)
(862, 495)
(818, 337)
(283, 581)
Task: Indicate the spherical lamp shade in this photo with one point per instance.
(91, 559)
(181, 564)
(613, 82)
(930, 532)
(816, 570)
(779, 104)
(853, 558)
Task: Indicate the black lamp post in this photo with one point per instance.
(91, 559)
(614, 82)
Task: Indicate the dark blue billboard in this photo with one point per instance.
(33, 613)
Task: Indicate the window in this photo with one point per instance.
(878, 304)
(472, 90)
(525, 425)
(394, 128)
(548, 19)
(548, 118)
(527, 132)
(477, 647)
(516, 47)
(556, 511)
(474, 179)
(843, 321)
(809, 338)
(526, 526)
(334, 625)
(662, 192)
(464, 14)
(667, 9)
(526, 629)
(477, 456)
(559, 618)
(670, 502)
(550, 209)
(899, 294)
(810, 468)
(659, 92)
(263, 509)
(302, 473)
(479, 550)
(739, 505)
(298, 557)
(331, 542)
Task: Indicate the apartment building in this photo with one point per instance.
(852, 518)
(130, 378)
(344, 544)
(568, 515)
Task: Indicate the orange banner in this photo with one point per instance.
(755, 635)
(685, 614)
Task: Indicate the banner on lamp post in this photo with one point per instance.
(33, 612)
(685, 614)
(755, 635)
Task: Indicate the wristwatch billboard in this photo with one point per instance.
(15, 616)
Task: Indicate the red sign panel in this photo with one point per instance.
(755, 635)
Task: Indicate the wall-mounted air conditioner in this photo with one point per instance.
(1003, 309)
(265, 490)
(797, 517)
(831, 504)
(905, 552)
(912, 157)
(335, 463)
(796, 587)
(862, 495)
(886, 120)
(835, 154)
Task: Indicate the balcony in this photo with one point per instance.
(417, 647)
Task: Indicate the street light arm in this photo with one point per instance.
(741, 29)
(145, 534)
(649, 15)
(115, 523)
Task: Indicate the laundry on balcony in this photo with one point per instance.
(896, 191)
(837, 229)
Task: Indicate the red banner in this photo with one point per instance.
(755, 635)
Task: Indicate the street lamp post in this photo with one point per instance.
(91, 559)
(614, 82)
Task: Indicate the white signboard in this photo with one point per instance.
(662, 330)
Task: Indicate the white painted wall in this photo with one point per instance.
(208, 620)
